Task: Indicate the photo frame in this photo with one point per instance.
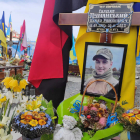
(103, 61)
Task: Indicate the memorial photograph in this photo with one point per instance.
(103, 61)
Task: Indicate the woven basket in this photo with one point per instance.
(100, 80)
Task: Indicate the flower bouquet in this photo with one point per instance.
(14, 86)
(33, 124)
(131, 122)
(95, 115)
(15, 83)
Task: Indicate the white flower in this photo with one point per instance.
(7, 137)
(43, 108)
(9, 95)
(37, 109)
(24, 99)
(5, 119)
(138, 122)
(19, 109)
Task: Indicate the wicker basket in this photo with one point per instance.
(100, 80)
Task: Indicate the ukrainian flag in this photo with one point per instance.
(73, 52)
(2, 32)
(9, 27)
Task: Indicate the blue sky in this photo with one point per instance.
(116, 51)
(31, 11)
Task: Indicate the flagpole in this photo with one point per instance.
(16, 49)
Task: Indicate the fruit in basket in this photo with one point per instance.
(137, 116)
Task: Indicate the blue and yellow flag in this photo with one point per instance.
(9, 26)
(3, 23)
(2, 32)
(73, 52)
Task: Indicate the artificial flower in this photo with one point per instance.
(28, 113)
(35, 113)
(37, 109)
(42, 122)
(23, 121)
(132, 120)
(137, 116)
(42, 114)
(37, 117)
(28, 117)
(33, 122)
(6, 81)
(22, 116)
(33, 105)
(22, 84)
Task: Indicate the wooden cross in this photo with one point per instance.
(80, 19)
(10, 43)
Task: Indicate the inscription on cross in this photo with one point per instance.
(80, 19)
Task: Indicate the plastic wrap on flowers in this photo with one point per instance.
(33, 124)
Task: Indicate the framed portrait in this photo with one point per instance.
(103, 61)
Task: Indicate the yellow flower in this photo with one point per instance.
(33, 105)
(29, 107)
(7, 81)
(39, 97)
(23, 84)
(33, 122)
(13, 83)
(42, 122)
(17, 89)
(132, 120)
(3, 99)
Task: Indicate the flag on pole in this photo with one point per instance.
(3, 23)
(50, 62)
(9, 29)
(23, 37)
(73, 52)
(2, 36)
(2, 32)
